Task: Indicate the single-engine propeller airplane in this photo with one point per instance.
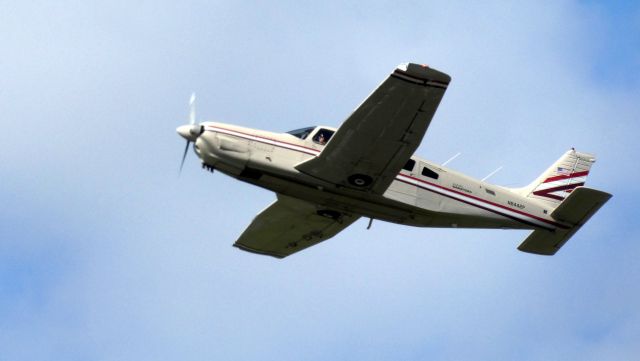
(327, 178)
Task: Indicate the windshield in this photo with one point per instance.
(302, 133)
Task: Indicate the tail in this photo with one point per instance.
(561, 188)
(559, 180)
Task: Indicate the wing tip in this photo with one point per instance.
(423, 72)
(257, 251)
(537, 251)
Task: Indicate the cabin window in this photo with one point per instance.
(409, 165)
(429, 173)
(302, 133)
(490, 191)
(323, 136)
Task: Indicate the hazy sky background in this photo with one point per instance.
(105, 254)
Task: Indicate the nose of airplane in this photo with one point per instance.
(189, 132)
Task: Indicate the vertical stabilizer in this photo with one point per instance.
(559, 180)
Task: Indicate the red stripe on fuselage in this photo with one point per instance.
(486, 201)
(289, 146)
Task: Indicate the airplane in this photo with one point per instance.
(327, 178)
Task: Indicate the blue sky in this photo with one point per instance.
(105, 254)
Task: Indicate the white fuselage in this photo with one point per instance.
(436, 197)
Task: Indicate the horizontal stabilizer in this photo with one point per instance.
(581, 204)
(576, 210)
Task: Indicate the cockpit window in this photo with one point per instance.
(323, 136)
(302, 133)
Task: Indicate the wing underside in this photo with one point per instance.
(290, 225)
(375, 141)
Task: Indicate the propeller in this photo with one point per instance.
(184, 156)
(190, 132)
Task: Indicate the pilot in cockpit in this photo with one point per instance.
(322, 137)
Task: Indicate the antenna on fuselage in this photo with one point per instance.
(450, 159)
(492, 173)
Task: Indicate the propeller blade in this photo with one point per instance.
(184, 156)
(192, 109)
(186, 131)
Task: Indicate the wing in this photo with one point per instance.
(372, 145)
(290, 225)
